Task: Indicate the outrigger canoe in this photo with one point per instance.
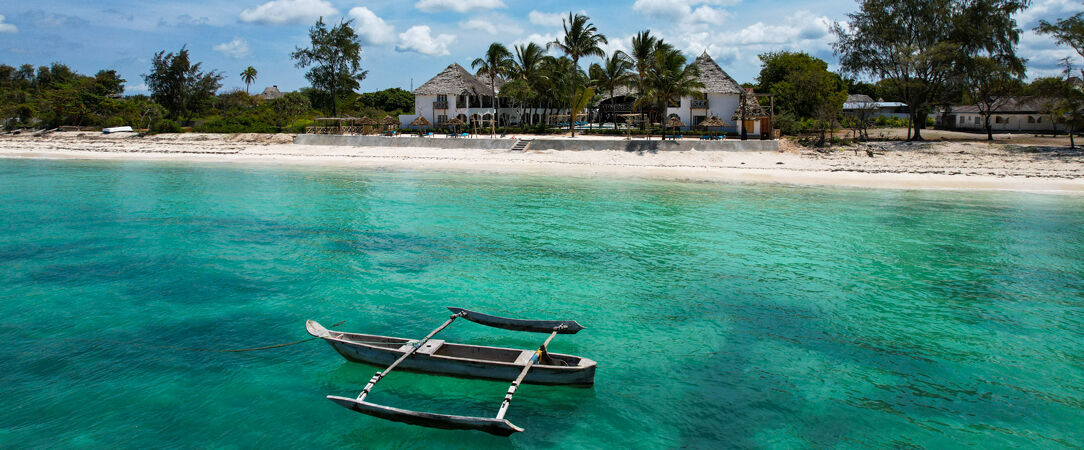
(439, 357)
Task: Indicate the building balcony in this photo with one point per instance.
(699, 104)
(440, 105)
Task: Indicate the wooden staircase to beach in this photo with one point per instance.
(521, 145)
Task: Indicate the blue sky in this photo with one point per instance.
(415, 39)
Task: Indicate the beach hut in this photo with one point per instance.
(750, 116)
(366, 124)
(421, 122)
(675, 123)
(713, 123)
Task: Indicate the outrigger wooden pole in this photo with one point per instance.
(515, 384)
(414, 348)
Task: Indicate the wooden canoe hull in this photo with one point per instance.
(499, 427)
(352, 346)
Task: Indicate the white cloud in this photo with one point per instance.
(237, 48)
(371, 28)
(460, 6)
(545, 19)
(492, 25)
(7, 27)
(419, 39)
(540, 39)
(1050, 10)
(280, 12)
(690, 11)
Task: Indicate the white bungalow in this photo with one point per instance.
(1012, 114)
(455, 92)
(722, 95)
(721, 98)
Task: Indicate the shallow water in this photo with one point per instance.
(720, 315)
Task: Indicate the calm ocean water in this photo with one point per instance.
(720, 315)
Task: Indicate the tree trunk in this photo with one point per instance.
(917, 135)
(989, 130)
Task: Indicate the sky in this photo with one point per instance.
(406, 42)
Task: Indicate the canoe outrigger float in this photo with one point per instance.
(436, 356)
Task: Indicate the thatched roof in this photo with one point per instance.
(455, 80)
(674, 122)
(454, 121)
(859, 98)
(367, 121)
(420, 121)
(752, 110)
(389, 120)
(713, 122)
(715, 79)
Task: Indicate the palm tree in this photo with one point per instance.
(497, 62)
(527, 68)
(581, 39)
(616, 72)
(248, 76)
(670, 77)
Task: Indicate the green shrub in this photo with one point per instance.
(113, 122)
(165, 126)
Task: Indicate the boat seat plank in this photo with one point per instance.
(428, 348)
(524, 357)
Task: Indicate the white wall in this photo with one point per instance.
(719, 105)
(1010, 122)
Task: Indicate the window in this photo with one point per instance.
(441, 119)
(1031, 119)
(960, 119)
(997, 119)
(443, 98)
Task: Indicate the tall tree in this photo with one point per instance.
(526, 72)
(248, 76)
(919, 45)
(335, 57)
(616, 71)
(644, 46)
(669, 78)
(181, 87)
(581, 39)
(801, 83)
(1068, 31)
(990, 85)
(497, 62)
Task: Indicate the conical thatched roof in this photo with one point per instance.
(420, 121)
(366, 121)
(389, 120)
(455, 80)
(674, 122)
(715, 79)
(752, 110)
(454, 121)
(713, 122)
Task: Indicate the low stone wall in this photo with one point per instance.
(541, 144)
(405, 141)
(655, 146)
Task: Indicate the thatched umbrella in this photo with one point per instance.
(365, 122)
(629, 119)
(713, 122)
(390, 121)
(455, 123)
(421, 122)
(674, 123)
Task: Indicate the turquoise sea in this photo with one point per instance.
(720, 315)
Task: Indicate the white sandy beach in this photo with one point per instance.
(933, 165)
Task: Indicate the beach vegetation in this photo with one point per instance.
(496, 63)
(334, 61)
(181, 86)
(920, 46)
(581, 39)
(248, 76)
